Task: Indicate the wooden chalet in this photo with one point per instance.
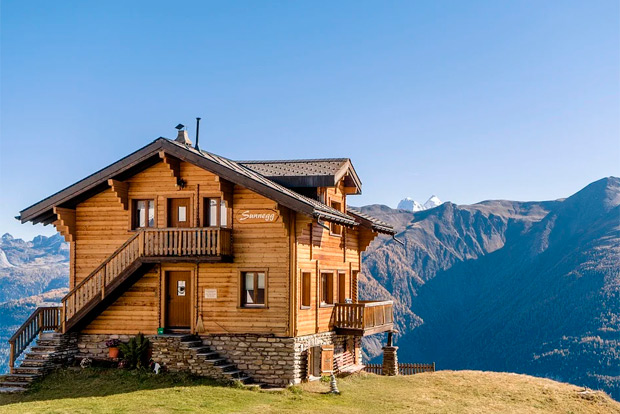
(234, 269)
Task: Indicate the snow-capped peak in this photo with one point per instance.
(410, 204)
(432, 202)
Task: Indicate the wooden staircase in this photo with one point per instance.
(140, 252)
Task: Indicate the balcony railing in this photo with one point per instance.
(364, 318)
(175, 242)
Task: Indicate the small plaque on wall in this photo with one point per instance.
(210, 293)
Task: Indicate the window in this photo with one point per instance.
(215, 213)
(305, 289)
(143, 213)
(335, 229)
(253, 289)
(342, 292)
(327, 288)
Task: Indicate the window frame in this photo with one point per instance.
(206, 211)
(335, 229)
(342, 290)
(133, 219)
(241, 280)
(330, 288)
(303, 292)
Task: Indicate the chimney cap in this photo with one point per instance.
(180, 127)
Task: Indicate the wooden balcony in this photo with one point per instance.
(192, 244)
(363, 318)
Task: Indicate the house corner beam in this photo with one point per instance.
(174, 165)
(65, 222)
(121, 191)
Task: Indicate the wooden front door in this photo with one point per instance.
(178, 212)
(178, 299)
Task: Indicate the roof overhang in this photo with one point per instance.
(42, 212)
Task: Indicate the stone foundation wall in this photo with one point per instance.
(267, 359)
(93, 346)
(276, 361)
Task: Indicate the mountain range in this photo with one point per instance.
(32, 273)
(527, 287)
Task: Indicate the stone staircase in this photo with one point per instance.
(188, 353)
(49, 352)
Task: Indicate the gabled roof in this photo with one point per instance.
(371, 222)
(42, 212)
(324, 172)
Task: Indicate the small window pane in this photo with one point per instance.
(182, 213)
(261, 281)
(212, 212)
(223, 214)
(141, 213)
(151, 213)
(249, 288)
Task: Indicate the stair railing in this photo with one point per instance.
(95, 283)
(42, 319)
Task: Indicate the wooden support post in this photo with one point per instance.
(11, 356)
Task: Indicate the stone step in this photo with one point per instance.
(50, 335)
(207, 355)
(20, 378)
(201, 349)
(21, 384)
(37, 356)
(43, 348)
(11, 390)
(224, 367)
(233, 372)
(34, 363)
(29, 370)
(215, 361)
(48, 344)
(192, 344)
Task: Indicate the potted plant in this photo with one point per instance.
(112, 345)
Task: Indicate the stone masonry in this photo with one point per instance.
(390, 360)
(275, 361)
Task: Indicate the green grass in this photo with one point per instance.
(115, 391)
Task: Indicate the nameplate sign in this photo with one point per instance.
(210, 293)
(253, 216)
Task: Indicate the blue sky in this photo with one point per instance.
(467, 100)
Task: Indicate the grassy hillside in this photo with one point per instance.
(114, 391)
